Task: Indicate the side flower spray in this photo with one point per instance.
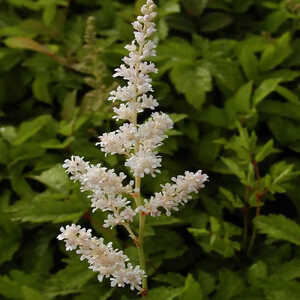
(139, 144)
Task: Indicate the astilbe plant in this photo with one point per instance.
(139, 144)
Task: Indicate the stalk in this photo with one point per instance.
(140, 244)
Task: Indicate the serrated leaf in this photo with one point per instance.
(249, 62)
(9, 288)
(193, 81)
(31, 294)
(9, 133)
(50, 208)
(174, 279)
(207, 282)
(233, 167)
(276, 52)
(214, 21)
(267, 87)
(191, 290)
(288, 95)
(231, 284)
(69, 106)
(30, 128)
(279, 227)
(177, 117)
(227, 74)
(70, 279)
(265, 151)
(40, 88)
(55, 178)
(236, 202)
(163, 293)
(257, 273)
(194, 7)
(26, 43)
(282, 290)
(287, 271)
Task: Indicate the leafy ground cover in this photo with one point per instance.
(228, 74)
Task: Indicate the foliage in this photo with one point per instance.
(228, 74)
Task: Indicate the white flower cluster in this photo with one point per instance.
(106, 189)
(172, 195)
(103, 259)
(139, 143)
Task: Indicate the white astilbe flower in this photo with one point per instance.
(103, 259)
(138, 141)
(152, 133)
(173, 195)
(106, 189)
(144, 162)
(121, 141)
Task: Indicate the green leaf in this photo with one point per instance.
(278, 227)
(249, 62)
(9, 288)
(177, 117)
(227, 73)
(266, 150)
(287, 271)
(282, 290)
(281, 109)
(231, 284)
(26, 43)
(31, 294)
(276, 52)
(285, 131)
(49, 13)
(288, 95)
(168, 7)
(236, 202)
(193, 81)
(49, 207)
(215, 21)
(214, 116)
(194, 7)
(267, 87)
(8, 133)
(163, 293)
(55, 178)
(174, 279)
(4, 152)
(274, 20)
(191, 290)
(207, 282)
(257, 273)
(10, 233)
(31, 128)
(69, 106)
(40, 88)
(175, 51)
(234, 167)
(69, 280)
(218, 240)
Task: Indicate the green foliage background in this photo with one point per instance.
(228, 75)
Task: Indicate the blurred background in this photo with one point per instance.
(229, 78)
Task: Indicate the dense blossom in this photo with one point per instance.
(106, 189)
(103, 259)
(173, 195)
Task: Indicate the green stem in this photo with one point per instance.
(140, 244)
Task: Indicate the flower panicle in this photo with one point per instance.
(139, 143)
(103, 259)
